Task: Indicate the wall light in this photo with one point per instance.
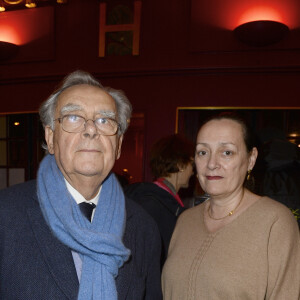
(261, 32)
(7, 50)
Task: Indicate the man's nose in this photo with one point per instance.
(90, 129)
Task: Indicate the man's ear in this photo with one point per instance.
(119, 144)
(49, 139)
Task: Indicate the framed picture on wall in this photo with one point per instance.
(279, 119)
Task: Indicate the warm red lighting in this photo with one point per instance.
(261, 13)
(17, 123)
(26, 25)
(9, 34)
(286, 12)
(228, 14)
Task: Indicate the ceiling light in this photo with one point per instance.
(30, 4)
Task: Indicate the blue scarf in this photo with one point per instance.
(99, 243)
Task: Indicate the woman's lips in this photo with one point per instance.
(214, 177)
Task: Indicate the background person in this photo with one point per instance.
(49, 247)
(236, 245)
(171, 162)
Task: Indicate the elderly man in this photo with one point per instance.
(72, 234)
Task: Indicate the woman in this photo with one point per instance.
(171, 162)
(236, 245)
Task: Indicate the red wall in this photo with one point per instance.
(176, 66)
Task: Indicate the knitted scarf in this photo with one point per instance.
(99, 243)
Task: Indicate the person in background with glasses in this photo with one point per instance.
(72, 234)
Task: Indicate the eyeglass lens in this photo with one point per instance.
(74, 123)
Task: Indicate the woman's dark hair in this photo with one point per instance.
(248, 135)
(169, 154)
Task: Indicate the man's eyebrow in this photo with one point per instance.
(107, 113)
(70, 107)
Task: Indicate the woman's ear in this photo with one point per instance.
(180, 168)
(252, 158)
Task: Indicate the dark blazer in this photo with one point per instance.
(34, 265)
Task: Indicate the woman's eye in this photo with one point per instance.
(227, 152)
(201, 152)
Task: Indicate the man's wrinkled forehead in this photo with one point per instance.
(84, 98)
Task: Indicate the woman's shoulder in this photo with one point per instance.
(192, 213)
(273, 205)
(274, 210)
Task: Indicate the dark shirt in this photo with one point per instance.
(161, 206)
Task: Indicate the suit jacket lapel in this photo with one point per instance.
(57, 256)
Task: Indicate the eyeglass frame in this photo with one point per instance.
(60, 120)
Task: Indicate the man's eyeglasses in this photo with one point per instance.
(75, 123)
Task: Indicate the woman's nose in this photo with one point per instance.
(212, 162)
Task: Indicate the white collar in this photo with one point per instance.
(78, 197)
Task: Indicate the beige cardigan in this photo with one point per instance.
(255, 257)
